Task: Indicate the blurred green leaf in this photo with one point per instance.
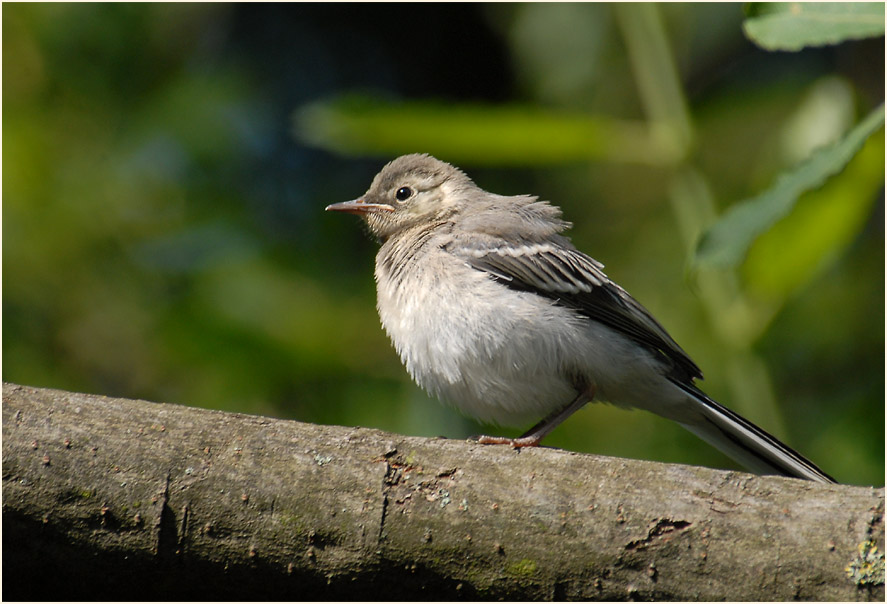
(726, 243)
(825, 113)
(827, 220)
(475, 134)
(794, 25)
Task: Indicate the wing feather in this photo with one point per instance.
(556, 270)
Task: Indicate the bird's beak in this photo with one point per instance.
(359, 206)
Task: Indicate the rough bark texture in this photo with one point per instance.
(118, 499)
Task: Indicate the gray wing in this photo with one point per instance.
(558, 271)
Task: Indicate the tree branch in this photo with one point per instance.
(109, 498)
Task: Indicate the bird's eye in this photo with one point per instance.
(403, 193)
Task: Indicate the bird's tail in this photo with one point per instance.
(748, 444)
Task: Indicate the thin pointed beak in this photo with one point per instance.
(359, 206)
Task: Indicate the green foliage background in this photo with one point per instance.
(166, 166)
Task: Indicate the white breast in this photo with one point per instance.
(476, 344)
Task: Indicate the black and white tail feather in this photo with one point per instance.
(748, 444)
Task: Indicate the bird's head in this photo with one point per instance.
(411, 189)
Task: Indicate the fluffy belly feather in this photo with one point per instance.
(498, 363)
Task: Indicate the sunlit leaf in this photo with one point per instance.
(727, 241)
(474, 134)
(824, 223)
(794, 25)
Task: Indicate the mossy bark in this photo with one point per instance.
(108, 498)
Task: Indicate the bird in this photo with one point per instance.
(493, 310)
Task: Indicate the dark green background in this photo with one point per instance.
(164, 235)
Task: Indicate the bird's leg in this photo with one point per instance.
(534, 436)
